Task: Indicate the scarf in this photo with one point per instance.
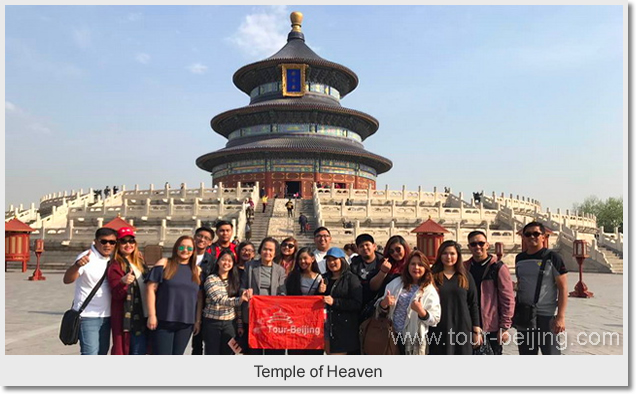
(133, 308)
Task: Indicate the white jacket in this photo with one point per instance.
(415, 329)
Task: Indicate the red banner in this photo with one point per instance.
(286, 322)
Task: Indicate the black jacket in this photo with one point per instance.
(357, 265)
(343, 314)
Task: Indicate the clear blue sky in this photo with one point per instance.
(517, 99)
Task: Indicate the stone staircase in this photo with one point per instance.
(280, 225)
(615, 259)
(260, 225)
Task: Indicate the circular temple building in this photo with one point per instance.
(294, 132)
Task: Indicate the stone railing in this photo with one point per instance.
(219, 192)
(23, 215)
(317, 207)
(613, 242)
(517, 204)
(449, 214)
(431, 198)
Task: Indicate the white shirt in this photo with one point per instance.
(320, 259)
(89, 275)
(200, 258)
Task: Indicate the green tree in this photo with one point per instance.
(609, 213)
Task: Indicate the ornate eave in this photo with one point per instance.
(293, 148)
(291, 111)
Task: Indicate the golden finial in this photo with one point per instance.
(296, 20)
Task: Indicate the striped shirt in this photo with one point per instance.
(218, 305)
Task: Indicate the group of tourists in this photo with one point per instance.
(202, 292)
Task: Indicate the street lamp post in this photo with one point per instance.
(39, 249)
(580, 254)
(499, 250)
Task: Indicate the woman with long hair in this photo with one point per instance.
(395, 258)
(172, 293)
(412, 303)
(128, 310)
(222, 305)
(305, 279)
(288, 250)
(458, 330)
(344, 301)
(264, 277)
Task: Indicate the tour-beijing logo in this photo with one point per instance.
(279, 322)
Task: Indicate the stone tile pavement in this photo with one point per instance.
(33, 311)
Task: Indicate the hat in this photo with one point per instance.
(336, 252)
(364, 238)
(125, 232)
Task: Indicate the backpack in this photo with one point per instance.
(377, 336)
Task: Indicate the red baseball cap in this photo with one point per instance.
(125, 232)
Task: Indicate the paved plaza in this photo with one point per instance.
(33, 311)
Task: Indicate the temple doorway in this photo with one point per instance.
(292, 189)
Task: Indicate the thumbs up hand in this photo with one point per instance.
(322, 288)
(84, 259)
(388, 300)
(128, 278)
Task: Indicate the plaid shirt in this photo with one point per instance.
(218, 305)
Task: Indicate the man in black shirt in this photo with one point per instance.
(553, 295)
(366, 265)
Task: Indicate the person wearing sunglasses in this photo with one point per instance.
(129, 310)
(458, 331)
(87, 271)
(495, 295)
(203, 237)
(395, 254)
(172, 294)
(288, 249)
(553, 295)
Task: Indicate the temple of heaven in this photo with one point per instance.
(294, 132)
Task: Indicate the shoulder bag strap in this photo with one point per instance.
(92, 294)
(312, 283)
(544, 262)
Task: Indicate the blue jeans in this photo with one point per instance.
(94, 335)
(171, 337)
(138, 344)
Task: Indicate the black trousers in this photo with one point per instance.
(216, 335)
(197, 344)
(530, 341)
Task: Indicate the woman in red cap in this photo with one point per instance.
(126, 273)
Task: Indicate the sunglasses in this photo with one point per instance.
(474, 244)
(128, 241)
(182, 248)
(107, 241)
(536, 234)
(287, 245)
(396, 250)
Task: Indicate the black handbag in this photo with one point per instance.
(525, 316)
(69, 329)
(485, 349)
